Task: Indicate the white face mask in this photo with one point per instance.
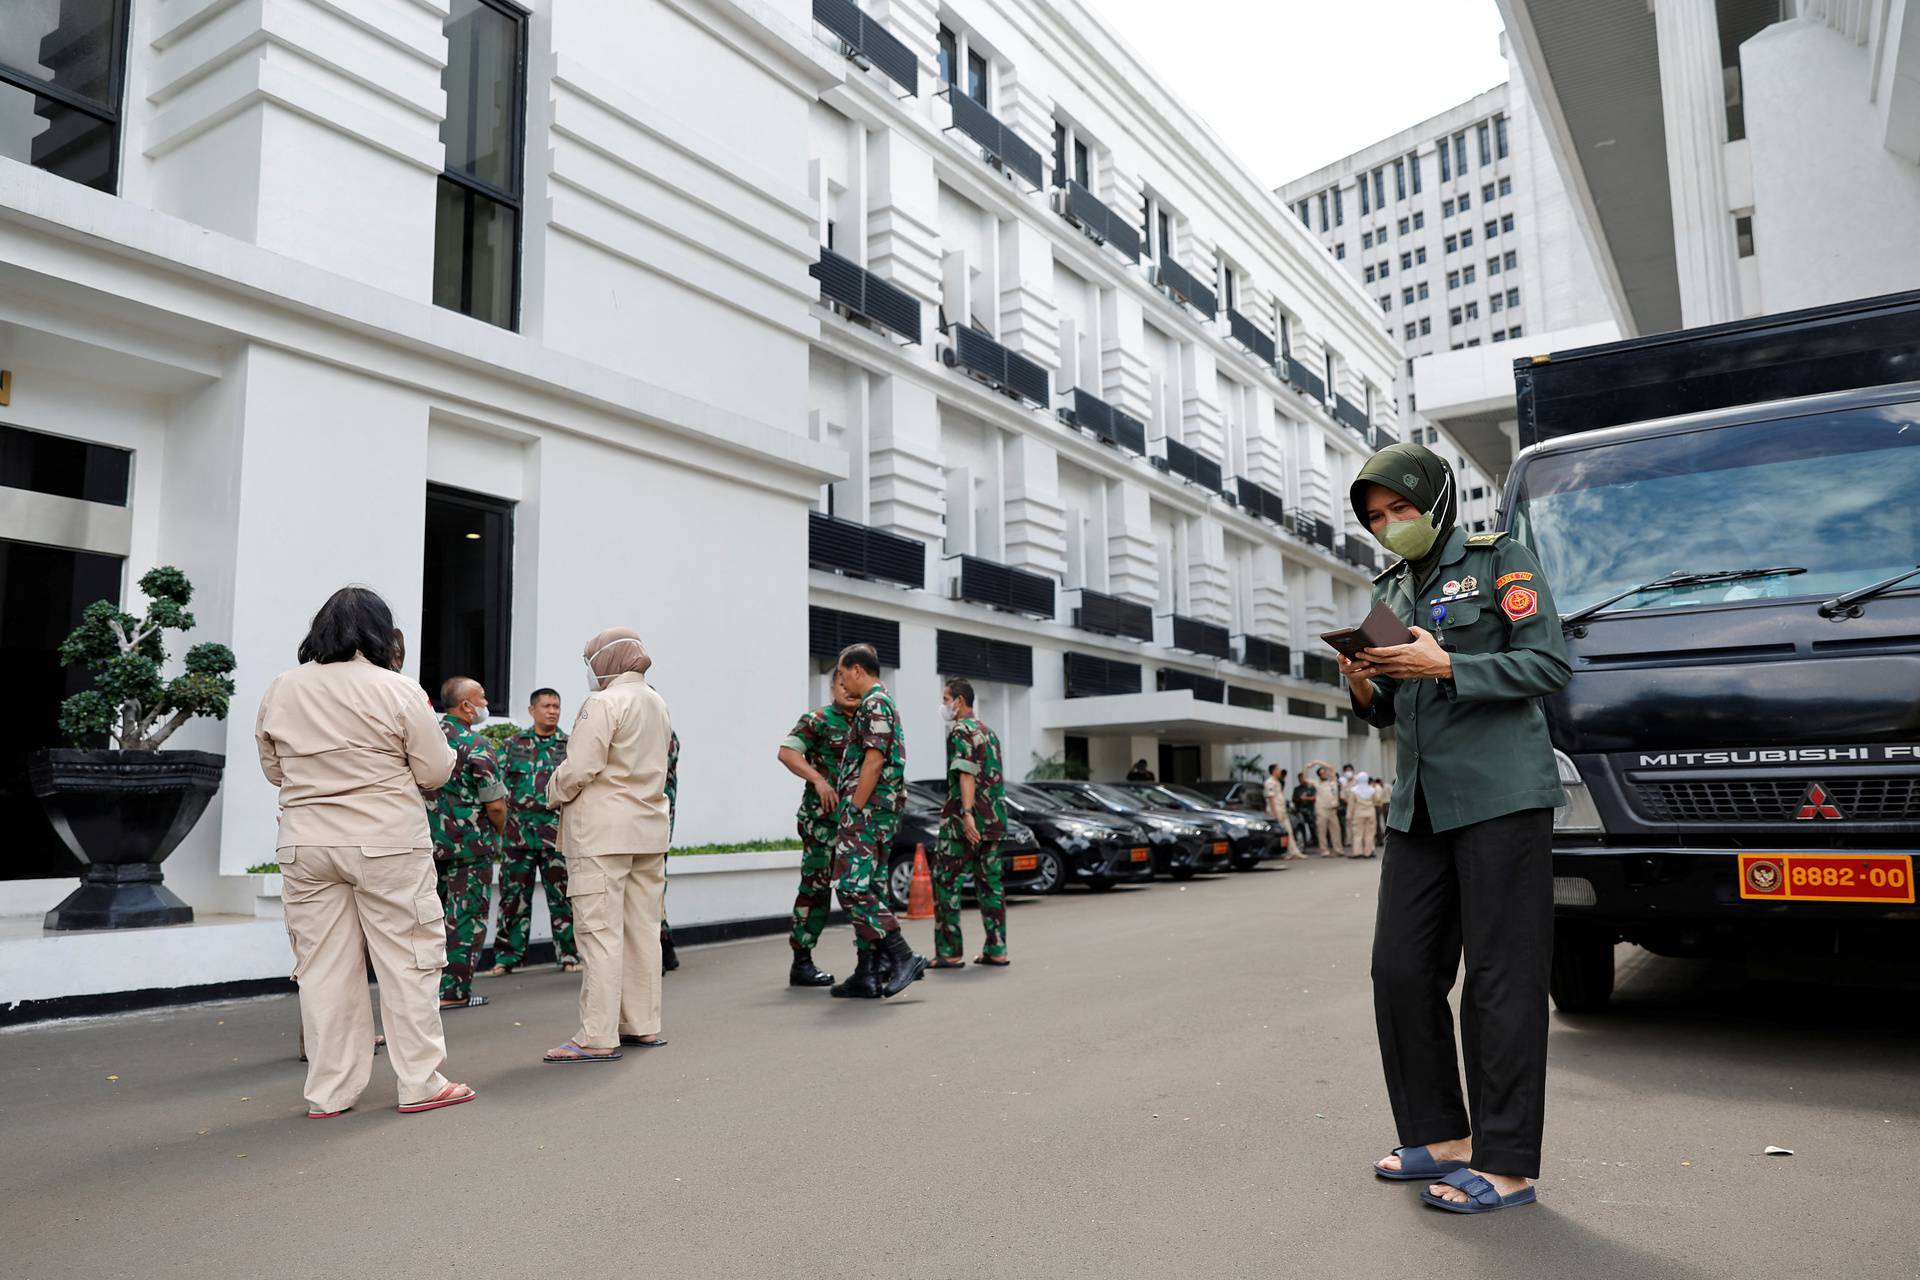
(480, 713)
(948, 712)
(595, 681)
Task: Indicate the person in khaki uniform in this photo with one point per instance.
(1363, 809)
(351, 744)
(1326, 807)
(615, 824)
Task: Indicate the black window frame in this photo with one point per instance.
(111, 113)
(514, 200)
(1400, 179)
(946, 54)
(1483, 135)
(1500, 148)
(1413, 166)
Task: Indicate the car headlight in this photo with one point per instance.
(1579, 813)
(1079, 830)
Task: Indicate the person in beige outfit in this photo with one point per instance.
(615, 824)
(1326, 807)
(351, 744)
(1363, 809)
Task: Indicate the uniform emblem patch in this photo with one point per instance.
(1410, 480)
(1505, 578)
(1452, 588)
(1469, 584)
(1518, 603)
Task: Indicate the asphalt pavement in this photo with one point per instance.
(1169, 1081)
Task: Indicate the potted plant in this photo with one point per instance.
(123, 810)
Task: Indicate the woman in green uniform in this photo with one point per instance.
(1468, 859)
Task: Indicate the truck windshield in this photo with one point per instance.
(1835, 492)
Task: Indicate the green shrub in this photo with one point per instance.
(264, 869)
(130, 701)
(498, 731)
(736, 846)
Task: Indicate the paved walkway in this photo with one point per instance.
(1174, 1081)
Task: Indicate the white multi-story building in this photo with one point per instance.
(731, 323)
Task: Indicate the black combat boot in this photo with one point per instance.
(804, 974)
(903, 967)
(862, 985)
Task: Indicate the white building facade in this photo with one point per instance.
(716, 319)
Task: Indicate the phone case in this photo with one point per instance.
(1378, 630)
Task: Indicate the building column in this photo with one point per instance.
(1209, 596)
(1693, 105)
(1203, 424)
(1132, 568)
(1269, 611)
(1036, 520)
(905, 487)
(1029, 320)
(903, 238)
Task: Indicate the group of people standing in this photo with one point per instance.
(1335, 812)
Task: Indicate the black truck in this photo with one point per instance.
(1729, 518)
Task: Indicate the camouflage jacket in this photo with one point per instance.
(673, 783)
(527, 762)
(876, 727)
(973, 748)
(458, 820)
(821, 736)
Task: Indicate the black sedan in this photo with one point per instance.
(1251, 838)
(1182, 846)
(1020, 860)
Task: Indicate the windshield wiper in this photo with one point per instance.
(1678, 578)
(1848, 605)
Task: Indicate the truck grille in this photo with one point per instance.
(1858, 799)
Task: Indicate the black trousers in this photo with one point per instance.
(1488, 888)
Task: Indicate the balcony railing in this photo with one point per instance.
(1191, 464)
(1383, 437)
(1258, 501)
(987, 360)
(1112, 616)
(1249, 335)
(1093, 414)
(1310, 709)
(1252, 699)
(1358, 552)
(1266, 655)
(1204, 688)
(833, 543)
(1080, 206)
(866, 294)
(830, 630)
(1180, 282)
(1196, 636)
(1306, 381)
(1004, 587)
(1313, 529)
(1319, 668)
(865, 38)
(1009, 149)
(1092, 677)
(1352, 416)
(979, 658)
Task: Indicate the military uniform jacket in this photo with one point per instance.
(876, 726)
(461, 832)
(973, 748)
(527, 762)
(1476, 746)
(820, 737)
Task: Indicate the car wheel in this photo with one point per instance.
(900, 884)
(1582, 977)
(1050, 873)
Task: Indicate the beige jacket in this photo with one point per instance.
(351, 747)
(612, 788)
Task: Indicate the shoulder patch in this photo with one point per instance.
(1485, 539)
(1389, 571)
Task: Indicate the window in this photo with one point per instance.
(1511, 258)
(1453, 243)
(1506, 185)
(1466, 275)
(1406, 262)
(1473, 310)
(1460, 154)
(1453, 279)
(1380, 236)
(1466, 237)
(1486, 144)
(1513, 297)
(61, 67)
(1419, 220)
(1364, 206)
(1227, 282)
(1513, 331)
(1492, 229)
(1423, 291)
(1369, 275)
(1413, 170)
(466, 597)
(1493, 265)
(1082, 164)
(1466, 201)
(1500, 143)
(1386, 302)
(1165, 226)
(1339, 214)
(1305, 220)
(1499, 335)
(1426, 325)
(1366, 240)
(1473, 342)
(1446, 208)
(1495, 303)
(1340, 251)
(1403, 226)
(1380, 188)
(1453, 316)
(1400, 183)
(1411, 330)
(1486, 194)
(476, 238)
(976, 77)
(1506, 222)
(949, 56)
(1743, 234)
(1383, 270)
(1446, 162)
(1420, 255)
(1323, 211)
(1406, 296)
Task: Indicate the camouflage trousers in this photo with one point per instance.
(950, 867)
(860, 856)
(463, 893)
(517, 868)
(815, 900)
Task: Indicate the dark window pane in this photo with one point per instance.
(473, 244)
(1082, 174)
(62, 467)
(466, 595)
(977, 78)
(69, 43)
(948, 53)
(49, 136)
(42, 593)
(482, 83)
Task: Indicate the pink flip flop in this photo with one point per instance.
(451, 1096)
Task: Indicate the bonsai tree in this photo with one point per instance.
(130, 700)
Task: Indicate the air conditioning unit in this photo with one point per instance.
(948, 356)
(1062, 203)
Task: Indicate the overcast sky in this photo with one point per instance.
(1349, 72)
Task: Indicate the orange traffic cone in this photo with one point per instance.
(920, 896)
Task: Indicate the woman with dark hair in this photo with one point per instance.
(351, 744)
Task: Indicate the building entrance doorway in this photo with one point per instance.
(466, 592)
(1179, 764)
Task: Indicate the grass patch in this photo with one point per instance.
(733, 846)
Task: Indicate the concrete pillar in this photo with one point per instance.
(1132, 566)
(1124, 379)
(1693, 106)
(907, 493)
(1029, 320)
(1036, 519)
(1209, 597)
(903, 237)
(1203, 424)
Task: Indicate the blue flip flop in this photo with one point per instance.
(1482, 1197)
(1418, 1165)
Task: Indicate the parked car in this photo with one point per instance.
(1020, 861)
(1182, 845)
(1091, 847)
(1251, 838)
(1238, 794)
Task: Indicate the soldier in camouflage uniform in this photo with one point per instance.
(971, 825)
(466, 819)
(527, 761)
(865, 823)
(816, 752)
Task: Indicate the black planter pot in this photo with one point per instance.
(122, 813)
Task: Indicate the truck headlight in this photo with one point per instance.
(1578, 814)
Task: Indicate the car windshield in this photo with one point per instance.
(1112, 797)
(1035, 798)
(1168, 798)
(1190, 797)
(1832, 491)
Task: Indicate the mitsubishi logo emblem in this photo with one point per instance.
(1817, 805)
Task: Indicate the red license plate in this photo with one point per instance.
(1025, 861)
(1220, 848)
(1826, 877)
(1139, 855)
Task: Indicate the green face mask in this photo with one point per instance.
(1409, 539)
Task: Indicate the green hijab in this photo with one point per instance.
(1423, 478)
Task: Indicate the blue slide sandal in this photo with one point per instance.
(1418, 1165)
(1481, 1195)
